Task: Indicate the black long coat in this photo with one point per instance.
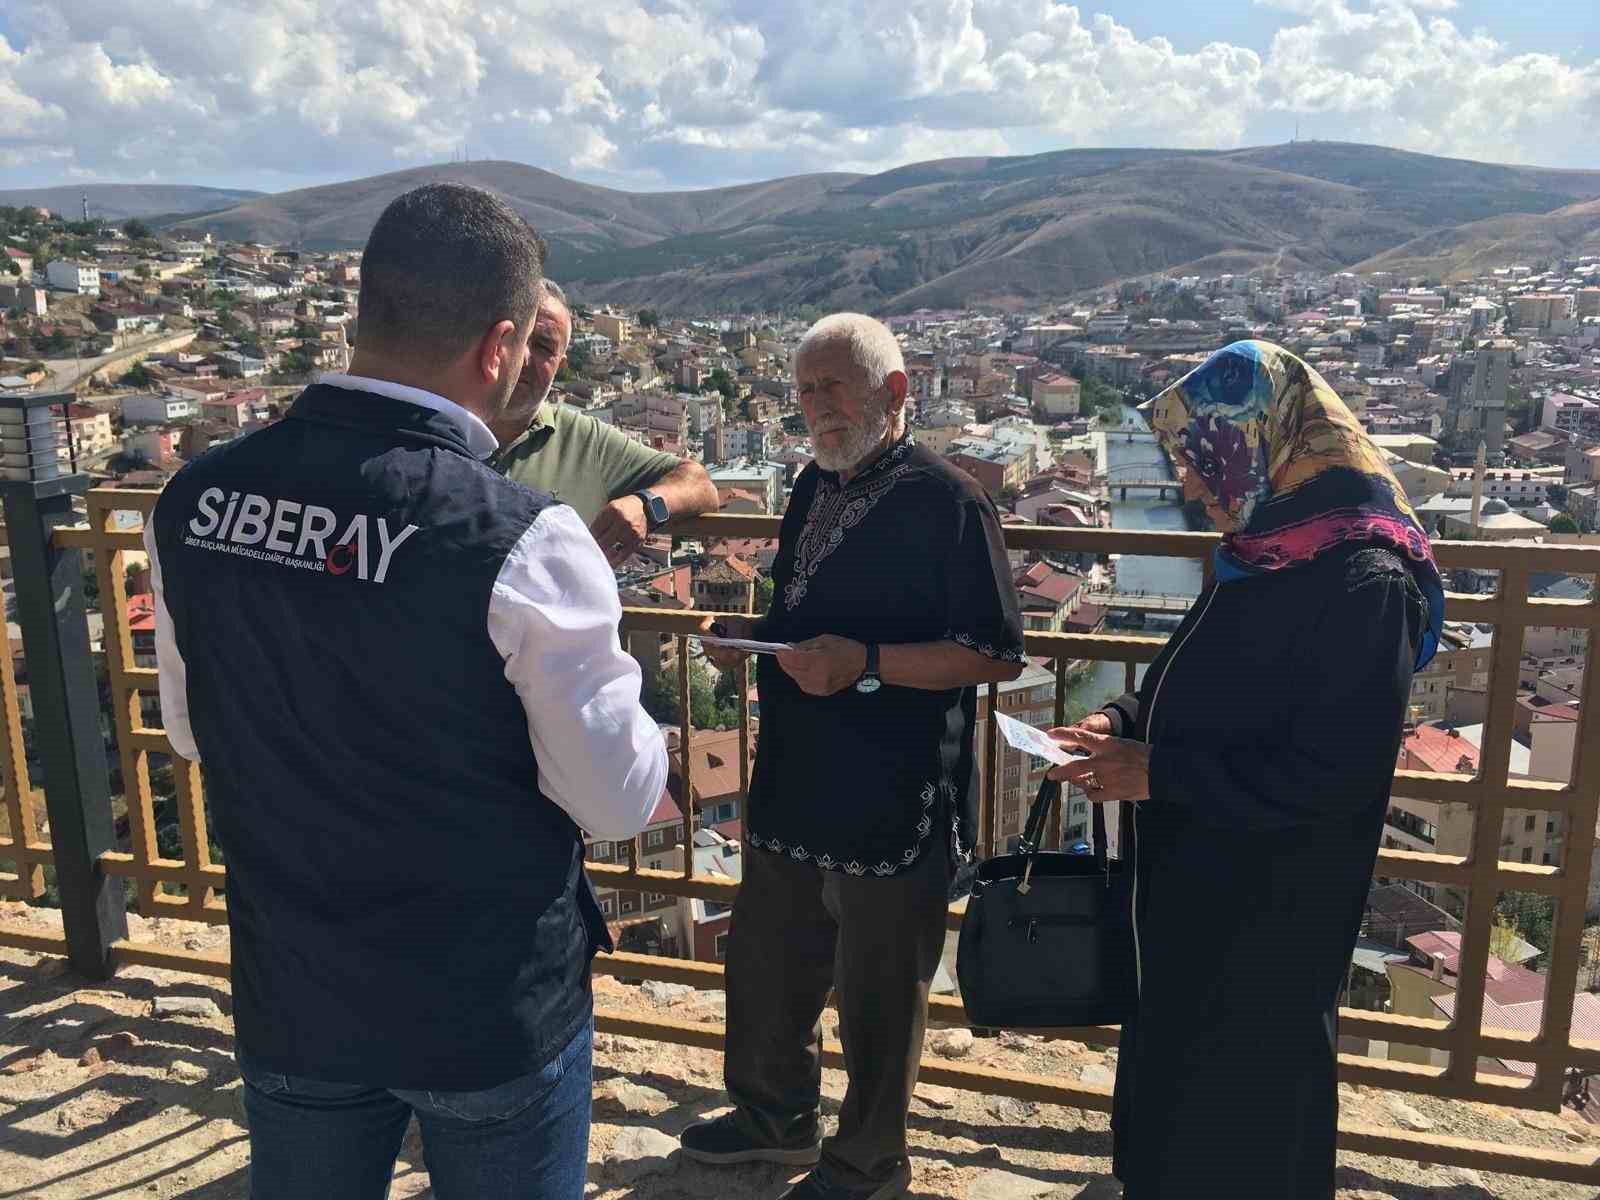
(1274, 715)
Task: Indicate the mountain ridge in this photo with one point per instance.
(990, 231)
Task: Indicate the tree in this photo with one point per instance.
(723, 382)
(660, 699)
(648, 318)
(1563, 523)
(137, 375)
(764, 594)
(12, 267)
(136, 229)
(1557, 493)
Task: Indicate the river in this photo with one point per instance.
(1171, 576)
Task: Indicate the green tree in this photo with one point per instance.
(764, 594)
(648, 318)
(137, 375)
(136, 229)
(1563, 523)
(723, 382)
(659, 698)
(12, 268)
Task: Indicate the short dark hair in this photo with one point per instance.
(445, 262)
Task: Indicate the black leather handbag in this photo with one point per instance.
(1047, 941)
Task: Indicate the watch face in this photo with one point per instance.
(868, 684)
(658, 510)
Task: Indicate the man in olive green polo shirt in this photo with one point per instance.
(621, 489)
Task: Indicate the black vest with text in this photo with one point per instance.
(406, 909)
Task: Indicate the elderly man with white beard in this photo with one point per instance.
(892, 585)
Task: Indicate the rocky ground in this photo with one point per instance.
(129, 1089)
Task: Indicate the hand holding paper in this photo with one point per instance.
(1032, 741)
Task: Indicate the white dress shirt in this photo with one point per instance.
(553, 615)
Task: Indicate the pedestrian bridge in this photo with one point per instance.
(1152, 602)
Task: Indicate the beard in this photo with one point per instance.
(859, 440)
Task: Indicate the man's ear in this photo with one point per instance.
(494, 353)
(899, 388)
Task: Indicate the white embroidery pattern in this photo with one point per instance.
(986, 649)
(929, 793)
(833, 512)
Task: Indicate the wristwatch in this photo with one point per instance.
(656, 512)
(869, 681)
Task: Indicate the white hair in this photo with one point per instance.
(873, 348)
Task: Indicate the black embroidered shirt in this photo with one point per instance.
(910, 550)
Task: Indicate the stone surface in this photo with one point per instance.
(28, 1065)
(665, 993)
(89, 1058)
(640, 1151)
(187, 1072)
(623, 1097)
(1549, 1122)
(184, 1006)
(1407, 1117)
(934, 1096)
(1004, 1185)
(951, 1043)
(1096, 1075)
(1010, 1110)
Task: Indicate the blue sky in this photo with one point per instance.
(653, 94)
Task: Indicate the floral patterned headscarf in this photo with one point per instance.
(1280, 453)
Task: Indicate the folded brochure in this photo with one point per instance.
(745, 644)
(1033, 741)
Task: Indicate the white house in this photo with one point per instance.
(69, 275)
(156, 408)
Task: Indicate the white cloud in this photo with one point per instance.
(672, 93)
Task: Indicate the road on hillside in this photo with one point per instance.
(67, 373)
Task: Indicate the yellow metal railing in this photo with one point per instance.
(1488, 794)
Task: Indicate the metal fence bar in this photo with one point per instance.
(66, 705)
(125, 699)
(1489, 794)
(1566, 935)
(1494, 767)
(23, 845)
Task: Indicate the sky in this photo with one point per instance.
(667, 94)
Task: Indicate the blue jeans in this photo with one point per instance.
(524, 1140)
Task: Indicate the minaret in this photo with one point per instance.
(1477, 486)
(86, 207)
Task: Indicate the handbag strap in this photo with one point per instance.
(1049, 794)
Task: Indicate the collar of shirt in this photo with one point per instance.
(536, 434)
(480, 440)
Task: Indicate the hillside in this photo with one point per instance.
(574, 217)
(992, 231)
(1524, 239)
(119, 201)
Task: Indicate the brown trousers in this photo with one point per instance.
(798, 931)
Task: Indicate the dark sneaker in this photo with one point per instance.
(819, 1185)
(723, 1142)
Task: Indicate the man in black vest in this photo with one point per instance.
(403, 675)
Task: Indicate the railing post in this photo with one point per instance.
(66, 717)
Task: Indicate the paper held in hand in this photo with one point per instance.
(745, 644)
(1032, 741)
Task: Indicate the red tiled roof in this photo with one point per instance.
(1504, 983)
(142, 613)
(1441, 749)
(1528, 1017)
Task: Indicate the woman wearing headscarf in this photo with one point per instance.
(1260, 748)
